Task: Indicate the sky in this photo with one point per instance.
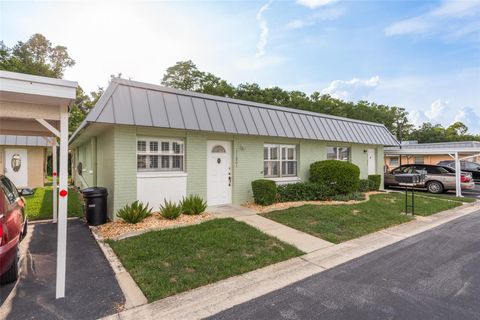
(423, 56)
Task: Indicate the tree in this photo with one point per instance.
(183, 75)
(36, 56)
(457, 129)
(82, 106)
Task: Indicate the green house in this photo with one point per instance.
(148, 142)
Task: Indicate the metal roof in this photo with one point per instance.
(135, 103)
(441, 145)
(31, 141)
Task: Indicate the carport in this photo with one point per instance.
(458, 151)
(38, 106)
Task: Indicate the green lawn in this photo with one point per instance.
(448, 197)
(170, 261)
(40, 205)
(339, 223)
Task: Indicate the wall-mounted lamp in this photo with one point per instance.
(364, 150)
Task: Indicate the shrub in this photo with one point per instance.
(342, 177)
(364, 185)
(264, 191)
(376, 180)
(170, 210)
(135, 212)
(303, 191)
(193, 205)
(347, 197)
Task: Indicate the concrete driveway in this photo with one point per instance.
(92, 290)
(434, 275)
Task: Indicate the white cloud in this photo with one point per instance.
(457, 9)
(469, 117)
(421, 94)
(262, 22)
(320, 15)
(352, 90)
(313, 4)
(414, 25)
(446, 20)
(436, 110)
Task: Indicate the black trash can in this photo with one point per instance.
(95, 205)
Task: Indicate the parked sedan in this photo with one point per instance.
(467, 166)
(438, 179)
(13, 227)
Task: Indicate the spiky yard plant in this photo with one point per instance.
(135, 212)
(193, 205)
(170, 210)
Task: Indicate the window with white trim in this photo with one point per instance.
(394, 161)
(159, 154)
(279, 160)
(338, 153)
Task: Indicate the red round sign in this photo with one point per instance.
(54, 174)
(63, 193)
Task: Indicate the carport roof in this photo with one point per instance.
(436, 148)
(31, 141)
(135, 103)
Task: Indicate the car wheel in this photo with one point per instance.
(434, 187)
(12, 274)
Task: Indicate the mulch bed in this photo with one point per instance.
(291, 204)
(119, 229)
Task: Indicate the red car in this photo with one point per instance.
(13, 228)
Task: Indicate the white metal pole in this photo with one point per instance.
(458, 186)
(54, 179)
(62, 204)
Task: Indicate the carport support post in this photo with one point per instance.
(54, 179)
(62, 204)
(458, 173)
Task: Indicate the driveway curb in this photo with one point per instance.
(214, 298)
(134, 297)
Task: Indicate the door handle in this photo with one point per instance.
(229, 180)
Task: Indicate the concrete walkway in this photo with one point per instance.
(216, 297)
(303, 241)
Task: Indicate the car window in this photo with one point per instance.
(471, 166)
(10, 190)
(421, 169)
(406, 169)
(436, 170)
(448, 169)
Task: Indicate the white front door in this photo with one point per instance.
(16, 166)
(371, 161)
(219, 172)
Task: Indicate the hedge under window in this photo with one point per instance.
(338, 153)
(279, 160)
(160, 155)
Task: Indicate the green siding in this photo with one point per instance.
(124, 166)
(105, 172)
(310, 151)
(116, 160)
(360, 158)
(247, 166)
(196, 164)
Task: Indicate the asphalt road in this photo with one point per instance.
(434, 275)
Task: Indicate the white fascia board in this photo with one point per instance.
(429, 151)
(35, 85)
